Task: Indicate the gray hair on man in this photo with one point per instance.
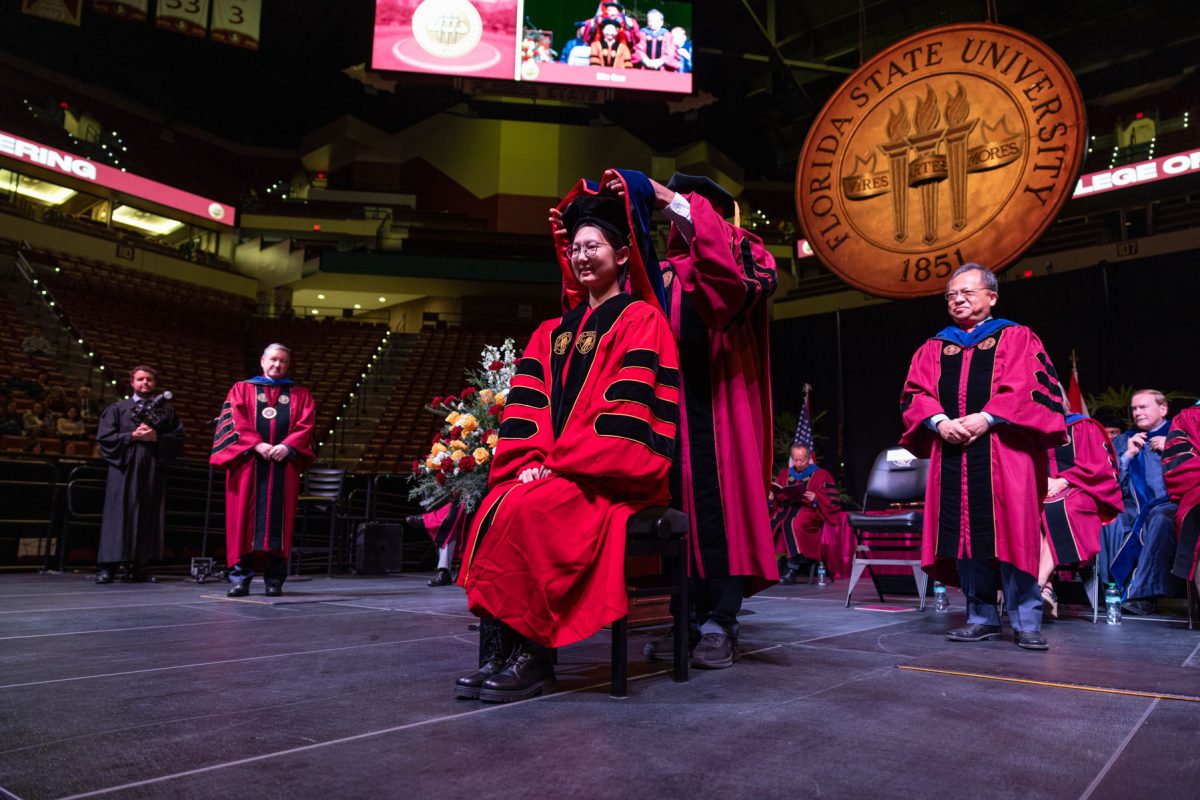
(986, 276)
(276, 346)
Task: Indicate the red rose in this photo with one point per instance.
(416, 466)
(466, 464)
(467, 392)
(494, 410)
(437, 437)
(447, 465)
(496, 366)
(450, 400)
(439, 477)
(437, 401)
(489, 433)
(455, 432)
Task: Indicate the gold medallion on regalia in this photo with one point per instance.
(959, 144)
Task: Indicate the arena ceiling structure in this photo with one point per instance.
(764, 68)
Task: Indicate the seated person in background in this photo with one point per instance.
(586, 439)
(88, 408)
(566, 56)
(655, 46)
(1112, 424)
(1082, 494)
(56, 401)
(36, 345)
(18, 382)
(1181, 470)
(683, 49)
(804, 497)
(610, 50)
(36, 423)
(1145, 550)
(70, 426)
(11, 422)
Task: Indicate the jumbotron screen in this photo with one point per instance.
(643, 45)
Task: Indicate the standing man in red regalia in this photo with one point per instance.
(805, 498)
(1082, 495)
(263, 442)
(983, 402)
(1181, 471)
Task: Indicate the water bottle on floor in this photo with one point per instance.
(1112, 604)
(821, 574)
(941, 601)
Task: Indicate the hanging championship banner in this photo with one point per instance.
(68, 11)
(129, 10)
(954, 145)
(189, 17)
(236, 22)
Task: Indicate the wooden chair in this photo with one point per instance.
(660, 532)
(322, 492)
(890, 518)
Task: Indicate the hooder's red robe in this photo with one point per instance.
(1181, 473)
(719, 312)
(594, 400)
(1072, 519)
(799, 524)
(260, 495)
(984, 500)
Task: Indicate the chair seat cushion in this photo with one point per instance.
(882, 523)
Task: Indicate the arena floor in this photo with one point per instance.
(342, 689)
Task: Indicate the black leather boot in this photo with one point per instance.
(441, 578)
(528, 673)
(241, 585)
(496, 644)
(273, 587)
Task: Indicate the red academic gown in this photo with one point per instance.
(984, 500)
(1072, 519)
(718, 307)
(260, 495)
(1181, 473)
(799, 524)
(595, 400)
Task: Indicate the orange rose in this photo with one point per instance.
(458, 444)
(500, 398)
(453, 417)
(468, 423)
(486, 396)
(438, 448)
(456, 455)
(429, 462)
(481, 455)
(491, 440)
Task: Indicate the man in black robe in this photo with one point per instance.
(138, 437)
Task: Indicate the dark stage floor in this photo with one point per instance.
(344, 691)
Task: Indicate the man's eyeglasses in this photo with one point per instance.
(951, 296)
(590, 249)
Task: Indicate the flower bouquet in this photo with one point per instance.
(460, 456)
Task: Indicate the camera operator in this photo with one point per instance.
(138, 438)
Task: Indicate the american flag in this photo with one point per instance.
(804, 434)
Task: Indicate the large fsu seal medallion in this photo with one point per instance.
(957, 144)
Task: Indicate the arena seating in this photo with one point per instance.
(435, 367)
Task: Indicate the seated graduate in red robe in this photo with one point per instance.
(804, 498)
(263, 442)
(586, 439)
(1082, 495)
(1181, 472)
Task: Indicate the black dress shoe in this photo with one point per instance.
(273, 589)
(715, 651)
(104, 575)
(442, 578)
(1031, 640)
(240, 588)
(663, 648)
(528, 673)
(1139, 608)
(974, 633)
(789, 577)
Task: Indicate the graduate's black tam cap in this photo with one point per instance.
(706, 187)
(600, 211)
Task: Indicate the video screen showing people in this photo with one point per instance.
(636, 45)
(642, 45)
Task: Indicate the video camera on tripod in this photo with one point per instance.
(153, 412)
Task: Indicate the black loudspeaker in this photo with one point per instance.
(379, 548)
